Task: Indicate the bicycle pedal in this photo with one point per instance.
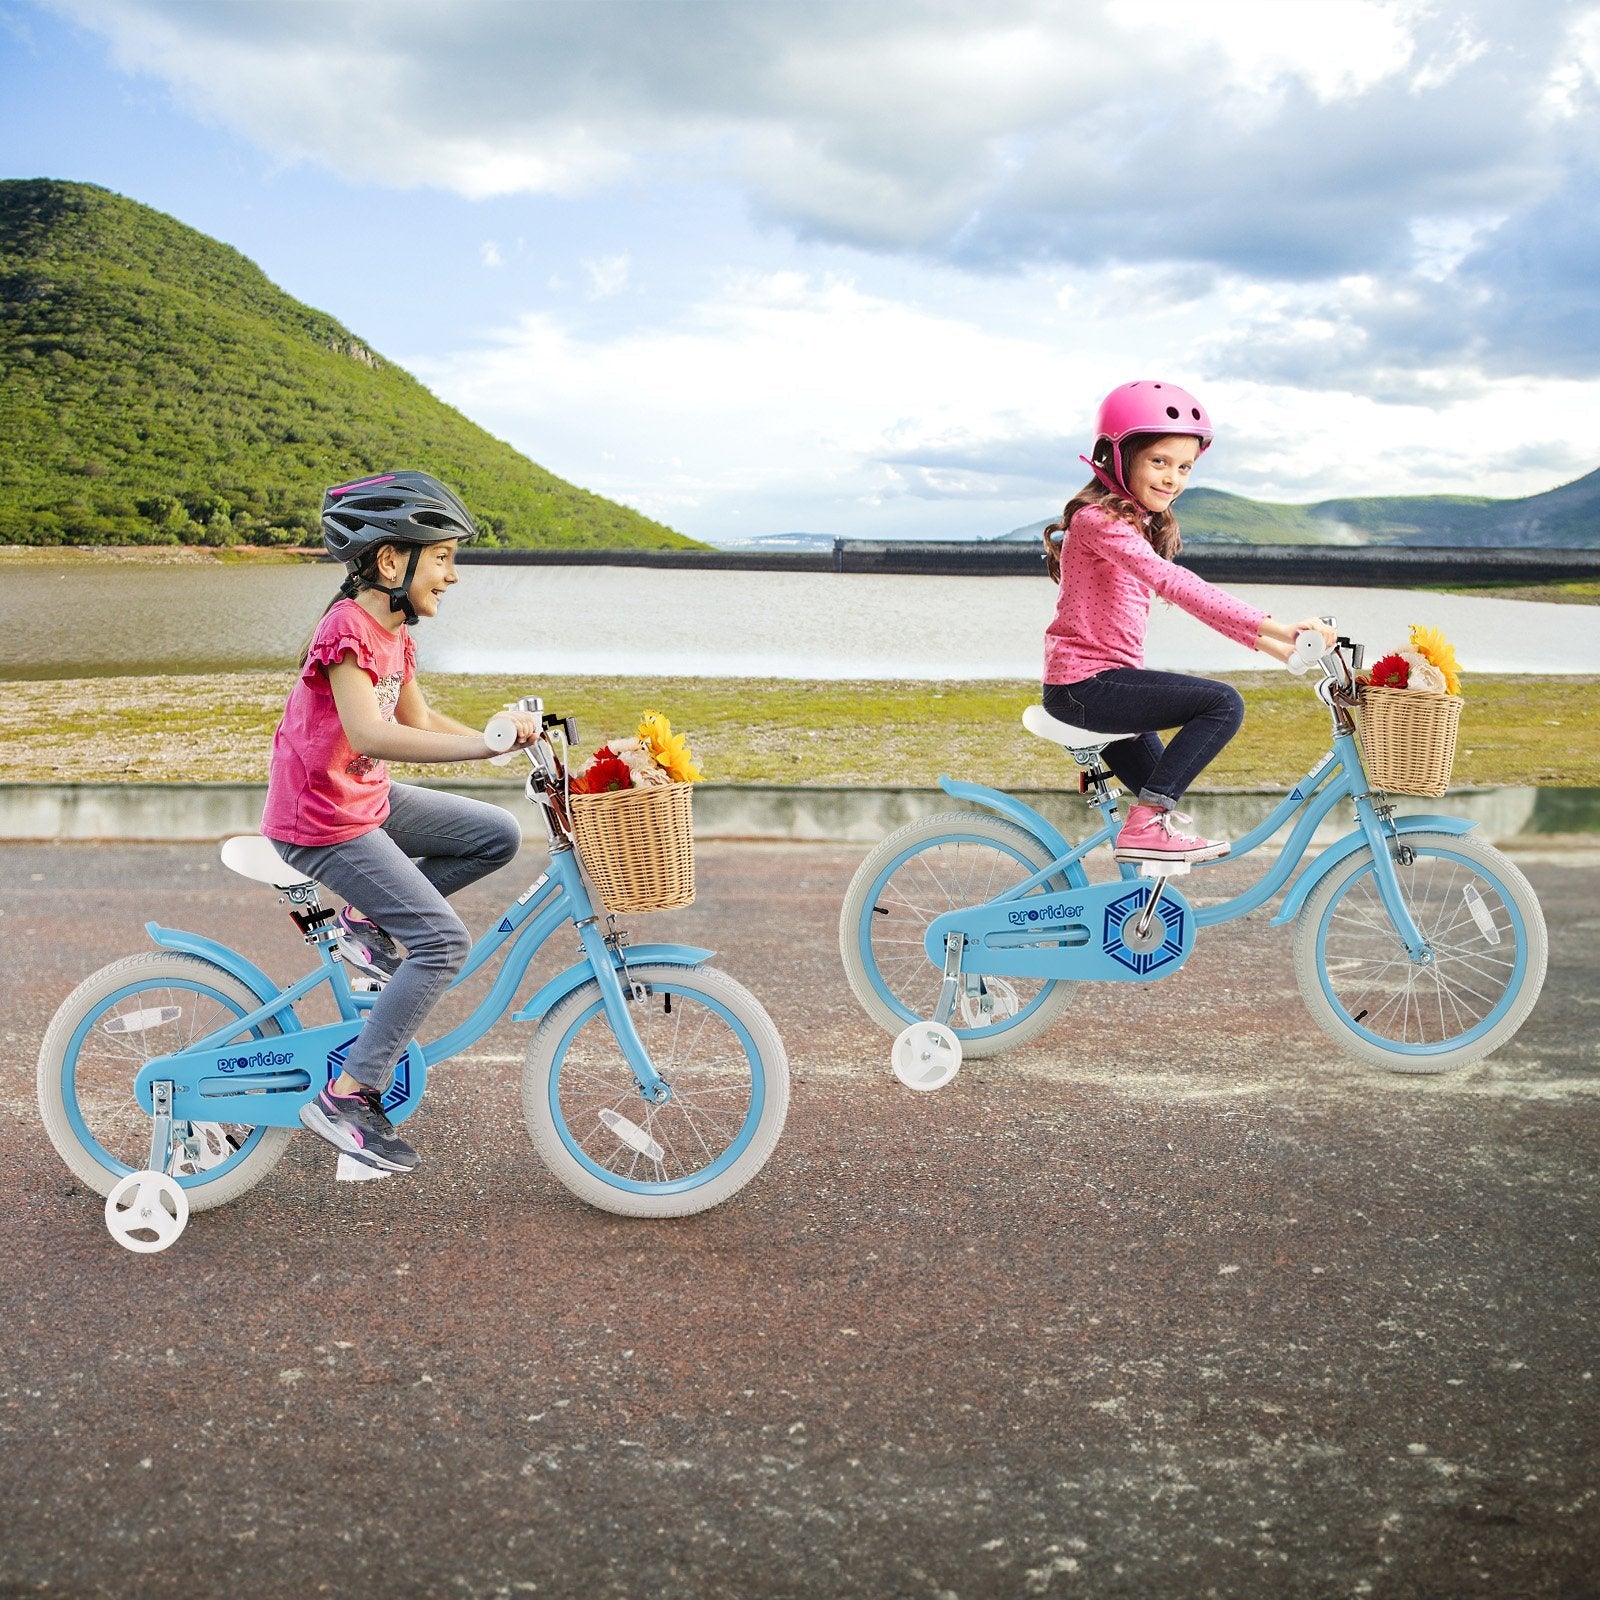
(352, 1169)
(1160, 869)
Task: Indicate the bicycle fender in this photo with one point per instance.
(1012, 809)
(1347, 846)
(219, 955)
(560, 986)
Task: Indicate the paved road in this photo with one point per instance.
(1170, 1304)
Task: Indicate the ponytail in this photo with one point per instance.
(347, 591)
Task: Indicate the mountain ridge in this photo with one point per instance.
(1566, 517)
(157, 388)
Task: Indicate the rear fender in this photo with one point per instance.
(1012, 809)
(231, 962)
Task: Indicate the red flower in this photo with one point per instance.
(607, 773)
(1393, 672)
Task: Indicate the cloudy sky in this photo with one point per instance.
(865, 268)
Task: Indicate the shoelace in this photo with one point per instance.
(373, 1101)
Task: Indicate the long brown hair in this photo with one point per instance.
(1160, 528)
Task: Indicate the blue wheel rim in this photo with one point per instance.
(69, 1085)
(869, 959)
(703, 1175)
(1457, 1041)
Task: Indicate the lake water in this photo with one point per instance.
(80, 621)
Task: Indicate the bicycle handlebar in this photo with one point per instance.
(1308, 649)
(500, 734)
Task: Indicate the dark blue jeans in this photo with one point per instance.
(1135, 701)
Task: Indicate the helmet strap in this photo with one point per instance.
(1108, 478)
(399, 595)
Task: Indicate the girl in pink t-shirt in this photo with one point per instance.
(1112, 549)
(391, 850)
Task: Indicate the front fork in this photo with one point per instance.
(618, 1001)
(1387, 849)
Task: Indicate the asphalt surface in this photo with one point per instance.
(1174, 1303)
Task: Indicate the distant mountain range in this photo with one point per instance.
(157, 388)
(1563, 518)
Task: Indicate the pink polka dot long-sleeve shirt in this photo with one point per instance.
(1108, 573)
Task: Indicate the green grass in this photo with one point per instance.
(1514, 730)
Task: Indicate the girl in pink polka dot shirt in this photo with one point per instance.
(1112, 549)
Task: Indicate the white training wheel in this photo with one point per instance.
(926, 1056)
(146, 1211)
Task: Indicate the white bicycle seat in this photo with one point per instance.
(252, 856)
(1079, 741)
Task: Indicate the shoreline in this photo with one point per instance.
(1361, 566)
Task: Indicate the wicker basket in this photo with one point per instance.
(1408, 739)
(638, 845)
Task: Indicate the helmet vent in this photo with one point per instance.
(1172, 411)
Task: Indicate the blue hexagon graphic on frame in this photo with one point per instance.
(399, 1088)
(1145, 961)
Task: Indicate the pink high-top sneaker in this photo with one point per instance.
(1149, 835)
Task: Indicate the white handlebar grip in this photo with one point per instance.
(500, 733)
(1307, 651)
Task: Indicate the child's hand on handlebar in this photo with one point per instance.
(1277, 639)
(1330, 634)
(511, 730)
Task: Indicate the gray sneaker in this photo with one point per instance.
(366, 948)
(356, 1126)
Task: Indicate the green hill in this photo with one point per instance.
(1568, 516)
(157, 388)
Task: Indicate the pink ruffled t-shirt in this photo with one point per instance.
(1108, 573)
(320, 790)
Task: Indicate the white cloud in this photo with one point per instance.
(788, 401)
(1362, 228)
(983, 131)
(607, 276)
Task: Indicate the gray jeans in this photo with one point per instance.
(430, 845)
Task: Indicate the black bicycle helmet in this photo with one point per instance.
(399, 508)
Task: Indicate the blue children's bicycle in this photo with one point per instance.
(1416, 946)
(655, 1086)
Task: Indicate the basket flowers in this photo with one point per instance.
(632, 819)
(1429, 665)
(1410, 704)
(653, 757)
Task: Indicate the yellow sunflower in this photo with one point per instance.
(1431, 644)
(671, 750)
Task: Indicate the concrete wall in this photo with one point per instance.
(1379, 566)
(201, 811)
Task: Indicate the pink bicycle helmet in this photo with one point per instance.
(1144, 407)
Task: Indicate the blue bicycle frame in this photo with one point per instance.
(264, 1083)
(1339, 775)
